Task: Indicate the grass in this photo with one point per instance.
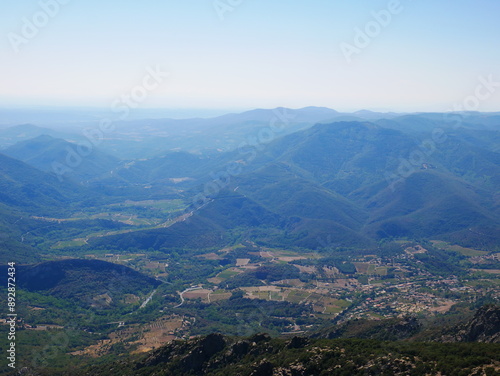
(369, 269)
(296, 296)
(342, 303)
(264, 295)
(388, 280)
(484, 282)
(275, 295)
(381, 271)
(468, 252)
(376, 315)
(363, 279)
(220, 291)
(333, 309)
(68, 243)
(164, 205)
(362, 267)
(228, 273)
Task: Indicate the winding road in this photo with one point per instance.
(186, 290)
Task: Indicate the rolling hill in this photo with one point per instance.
(56, 155)
(84, 281)
(28, 189)
(331, 180)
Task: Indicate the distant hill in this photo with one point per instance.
(28, 189)
(331, 180)
(13, 226)
(161, 169)
(44, 151)
(153, 137)
(428, 203)
(348, 162)
(209, 227)
(12, 135)
(426, 122)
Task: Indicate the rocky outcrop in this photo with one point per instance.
(483, 327)
(394, 329)
(189, 356)
(261, 355)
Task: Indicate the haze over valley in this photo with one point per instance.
(249, 188)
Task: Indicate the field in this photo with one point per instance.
(469, 252)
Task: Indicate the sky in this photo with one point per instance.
(392, 55)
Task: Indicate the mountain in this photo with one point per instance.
(373, 115)
(483, 327)
(332, 179)
(154, 137)
(394, 329)
(347, 162)
(342, 156)
(323, 226)
(260, 355)
(12, 135)
(84, 282)
(33, 191)
(209, 227)
(426, 122)
(178, 165)
(56, 155)
(309, 114)
(13, 226)
(429, 203)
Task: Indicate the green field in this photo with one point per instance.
(228, 273)
(296, 296)
(333, 309)
(68, 243)
(164, 205)
(342, 303)
(469, 252)
(275, 295)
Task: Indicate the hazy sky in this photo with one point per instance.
(262, 53)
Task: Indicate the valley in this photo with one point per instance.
(250, 188)
(305, 236)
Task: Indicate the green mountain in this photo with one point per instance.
(162, 170)
(209, 227)
(13, 226)
(28, 189)
(148, 138)
(332, 180)
(55, 155)
(84, 282)
(334, 221)
(429, 203)
(18, 133)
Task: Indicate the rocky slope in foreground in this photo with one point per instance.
(471, 348)
(262, 356)
(483, 327)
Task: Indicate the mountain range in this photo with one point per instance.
(355, 181)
